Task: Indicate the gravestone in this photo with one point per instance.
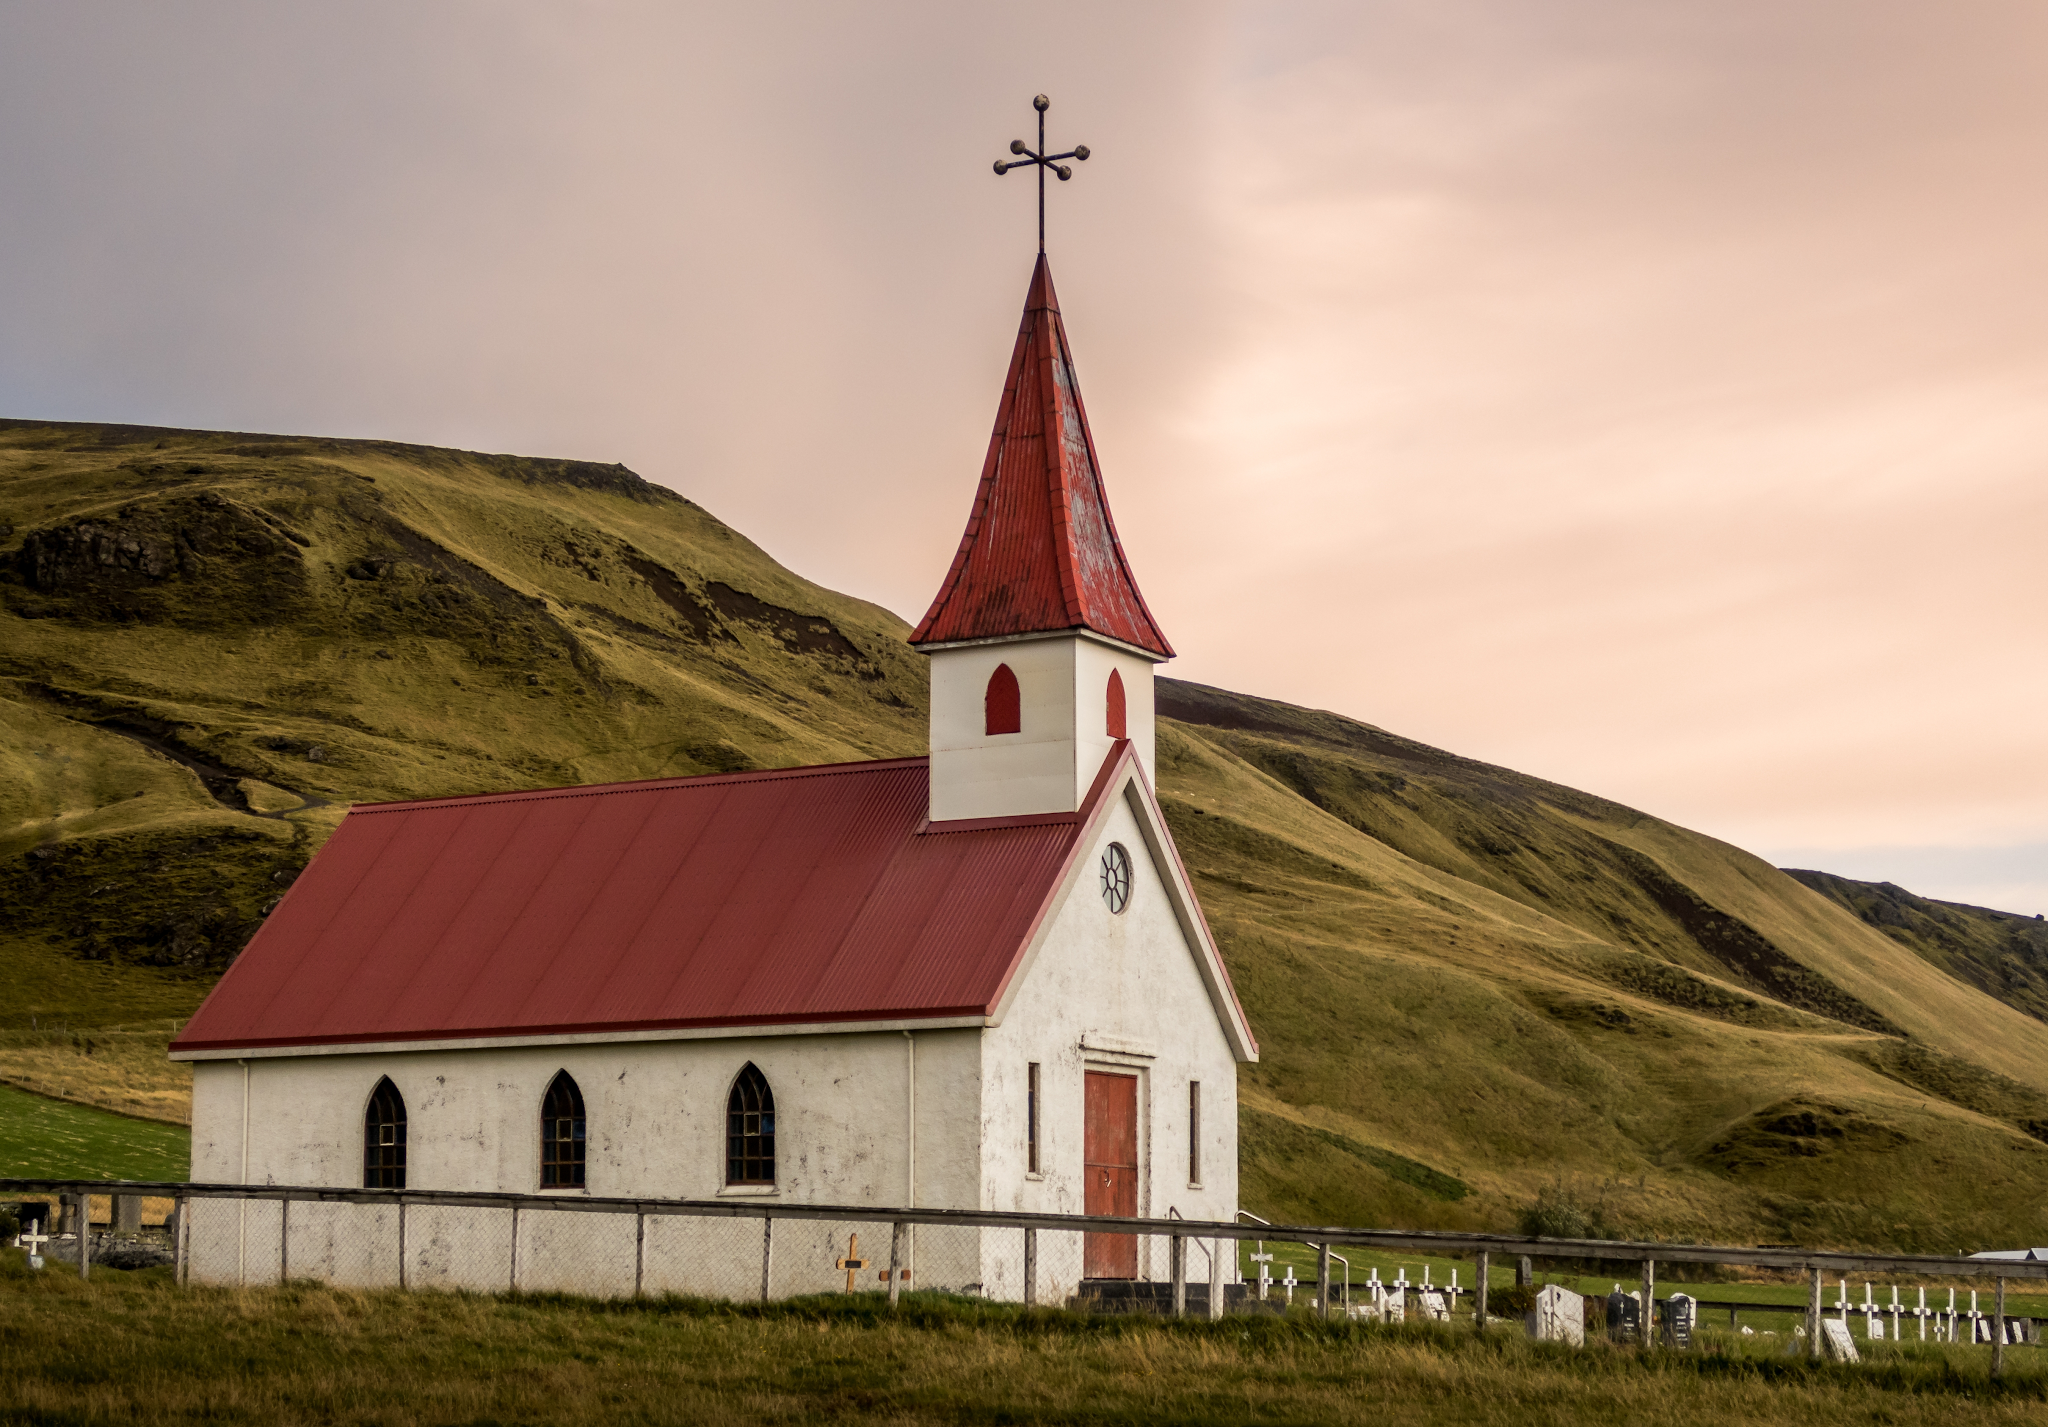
(1681, 1315)
(1559, 1316)
(126, 1214)
(1624, 1315)
(1835, 1339)
(1434, 1309)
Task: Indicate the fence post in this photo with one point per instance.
(512, 1279)
(1813, 1318)
(84, 1235)
(639, 1250)
(1323, 1280)
(1177, 1268)
(181, 1243)
(284, 1240)
(1031, 1268)
(1216, 1279)
(767, 1252)
(401, 1243)
(1649, 1336)
(1479, 1293)
(1998, 1333)
(898, 1233)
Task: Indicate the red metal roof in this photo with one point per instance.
(810, 894)
(1041, 552)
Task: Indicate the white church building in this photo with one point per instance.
(978, 979)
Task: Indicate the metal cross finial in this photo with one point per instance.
(1042, 160)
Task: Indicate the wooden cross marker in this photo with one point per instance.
(851, 1262)
(33, 1241)
(1265, 1273)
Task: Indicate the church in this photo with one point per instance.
(978, 979)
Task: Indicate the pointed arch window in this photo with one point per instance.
(750, 1129)
(1003, 705)
(1115, 719)
(561, 1134)
(384, 1138)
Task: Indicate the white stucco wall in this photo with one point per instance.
(1049, 764)
(1120, 993)
(655, 1121)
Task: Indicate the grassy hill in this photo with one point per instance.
(1480, 996)
(2002, 954)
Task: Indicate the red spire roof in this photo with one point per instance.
(1040, 553)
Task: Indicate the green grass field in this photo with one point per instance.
(134, 1349)
(49, 1139)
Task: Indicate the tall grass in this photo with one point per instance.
(136, 1349)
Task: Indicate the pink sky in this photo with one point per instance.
(1653, 398)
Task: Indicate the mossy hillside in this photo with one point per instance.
(2000, 953)
(1414, 1012)
(1469, 985)
(213, 643)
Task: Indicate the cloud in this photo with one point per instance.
(1650, 397)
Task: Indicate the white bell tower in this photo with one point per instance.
(1041, 645)
(1022, 726)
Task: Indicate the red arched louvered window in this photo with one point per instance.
(1116, 705)
(1003, 704)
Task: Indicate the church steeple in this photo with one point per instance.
(1041, 646)
(1040, 553)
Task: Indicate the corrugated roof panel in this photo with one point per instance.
(1040, 552)
(807, 894)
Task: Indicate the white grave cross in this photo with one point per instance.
(33, 1240)
(1265, 1272)
(1288, 1284)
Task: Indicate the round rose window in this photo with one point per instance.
(1116, 877)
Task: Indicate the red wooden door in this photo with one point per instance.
(1111, 1154)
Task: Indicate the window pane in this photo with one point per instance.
(750, 1130)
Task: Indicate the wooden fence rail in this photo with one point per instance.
(1399, 1240)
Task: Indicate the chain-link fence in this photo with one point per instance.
(568, 1245)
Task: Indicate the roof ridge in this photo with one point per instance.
(642, 785)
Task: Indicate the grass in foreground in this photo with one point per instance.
(136, 1349)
